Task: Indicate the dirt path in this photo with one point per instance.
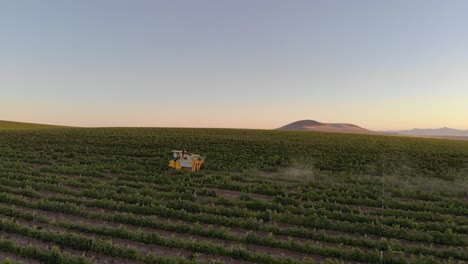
(145, 248)
(25, 241)
(13, 257)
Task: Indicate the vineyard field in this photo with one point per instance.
(106, 195)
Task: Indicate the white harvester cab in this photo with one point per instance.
(181, 159)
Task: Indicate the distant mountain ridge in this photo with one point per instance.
(312, 125)
(444, 131)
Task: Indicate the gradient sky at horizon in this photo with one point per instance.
(241, 64)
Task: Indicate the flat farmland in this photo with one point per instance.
(76, 195)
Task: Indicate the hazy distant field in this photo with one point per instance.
(454, 137)
(97, 195)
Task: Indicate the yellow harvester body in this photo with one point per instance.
(181, 160)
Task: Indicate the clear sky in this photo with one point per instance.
(246, 63)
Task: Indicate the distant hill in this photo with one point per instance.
(312, 125)
(449, 137)
(444, 131)
(10, 125)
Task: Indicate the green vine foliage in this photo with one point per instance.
(262, 197)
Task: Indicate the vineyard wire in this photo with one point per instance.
(383, 205)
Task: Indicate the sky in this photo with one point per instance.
(383, 65)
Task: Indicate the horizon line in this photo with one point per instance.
(249, 128)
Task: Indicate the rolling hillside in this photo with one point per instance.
(10, 125)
